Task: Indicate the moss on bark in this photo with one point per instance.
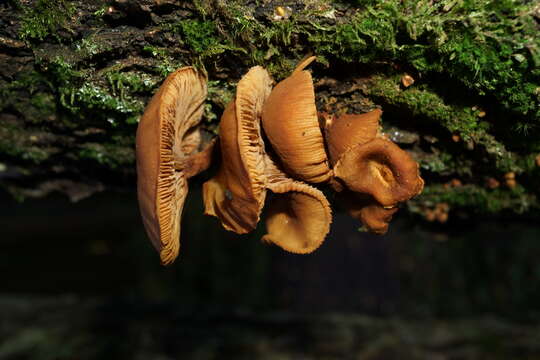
(74, 78)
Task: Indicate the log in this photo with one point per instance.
(458, 84)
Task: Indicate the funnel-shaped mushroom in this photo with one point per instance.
(380, 168)
(350, 130)
(371, 173)
(167, 148)
(236, 194)
(298, 218)
(290, 121)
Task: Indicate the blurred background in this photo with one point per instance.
(81, 281)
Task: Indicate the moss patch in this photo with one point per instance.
(44, 18)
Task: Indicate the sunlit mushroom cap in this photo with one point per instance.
(236, 194)
(349, 130)
(167, 135)
(298, 217)
(380, 168)
(290, 121)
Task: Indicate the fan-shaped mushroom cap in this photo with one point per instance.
(380, 168)
(236, 194)
(349, 130)
(290, 121)
(298, 218)
(166, 137)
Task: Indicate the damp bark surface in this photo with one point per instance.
(458, 85)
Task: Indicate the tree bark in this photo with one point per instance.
(458, 84)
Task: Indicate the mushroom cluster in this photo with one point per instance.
(272, 143)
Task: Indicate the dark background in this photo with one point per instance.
(81, 280)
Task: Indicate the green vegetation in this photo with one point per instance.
(499, 56)
(478, 199)
(202, 38)
(45, 18)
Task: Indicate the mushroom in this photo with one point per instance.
(380, 168)
(364, 208)
(349, 130)
(236, 194)
(364, 162)
(299, 216)
(291, 124)
(170, 149)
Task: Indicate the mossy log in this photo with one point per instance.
(458, 81)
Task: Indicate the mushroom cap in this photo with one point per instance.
(298, 218)
(291, 124)
(380, 168)
(349, 130)
(165, 133)
(236, 194)
(373, 216)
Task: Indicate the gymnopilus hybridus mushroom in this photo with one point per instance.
(236, 194)
(372, 173)
(299, 216)
(170, 148)
(291, 124)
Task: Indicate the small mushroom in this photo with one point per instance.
(372, 173)
(492, 183)
(290, 121)
(380, 168)
(407, 80)
(170, 149)
(236, 194)
(375, 218)
(298, 217)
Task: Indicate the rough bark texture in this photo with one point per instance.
(75, 76)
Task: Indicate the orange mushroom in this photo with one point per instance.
(362, 207)
(170, 149)
(373, 173)
(236, 194)
(380, 168)
(299, 216)
(290, 121)
(350, 130)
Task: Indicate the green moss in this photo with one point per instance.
(424, 102)
(18, 143)
(44, 18)
(111, 155)
(478, 199)
(446, 164)
(90, 46)
(496, 56)
(77, 94)
(28, 96)
(122, 83)
(166, 64)
(202, 38)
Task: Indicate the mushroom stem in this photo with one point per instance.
(196, 163)
(304, 63)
